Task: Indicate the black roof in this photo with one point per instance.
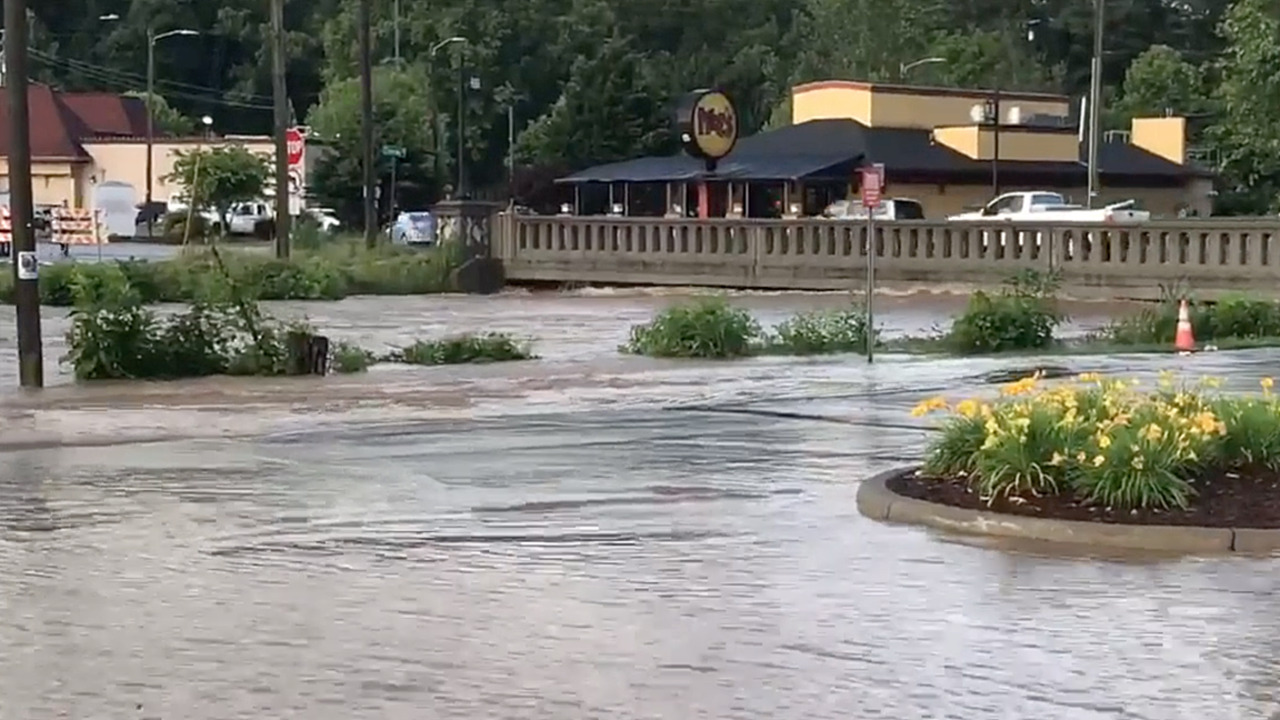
(832, 149)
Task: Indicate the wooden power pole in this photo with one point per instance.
(26, 265)
(279, 94)
(366, 126)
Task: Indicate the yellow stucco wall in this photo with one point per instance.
(53, 183)
(126, 162)
(831, 103)
(1165, 136)
(1016, 143)
(907, 107)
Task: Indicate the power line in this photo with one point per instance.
(119, 77)
(135, 76)
(124, 80)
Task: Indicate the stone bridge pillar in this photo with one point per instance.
(468, 230)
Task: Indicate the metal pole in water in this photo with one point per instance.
(871, 282)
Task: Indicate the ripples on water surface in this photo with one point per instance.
(587, 537)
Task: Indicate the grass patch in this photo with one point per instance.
(712, 328)
(346, 358)
(1107, 443)
(1021, 317)
(330, 271)
(1231, 320)
(461, 349)
(703, 328)
(821, 332)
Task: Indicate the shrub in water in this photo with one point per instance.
(491, 347)
(347, 357)
(1022, 317)
(822, 332)
(335, 271)
(1105, 442)
(705, 328)
(1234, 317)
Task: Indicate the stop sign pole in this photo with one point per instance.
(872, 184)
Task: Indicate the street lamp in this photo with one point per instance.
(904, 67)
(460, 189)
(152, 39)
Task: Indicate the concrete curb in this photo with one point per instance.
(878, 502)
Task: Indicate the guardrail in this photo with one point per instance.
(822, 254)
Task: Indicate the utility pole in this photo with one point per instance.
(151, 122)
(1095, 101)
(396, 31)
(511, 152)
(280, 97)
(462, 191)
(366, 126)
(995, 142)
(26, 266)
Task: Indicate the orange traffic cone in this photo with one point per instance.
(1184, 341)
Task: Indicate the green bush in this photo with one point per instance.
(345, 357)
(1022, 317)
(334, 271)
(1107, 443)
(704, 328)
(822, 332)
(468, 348)
(1236, 317)
(173, 228)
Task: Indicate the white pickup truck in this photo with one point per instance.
(1041, 206)
(1038, 206)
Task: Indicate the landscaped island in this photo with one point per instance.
(1108, 451)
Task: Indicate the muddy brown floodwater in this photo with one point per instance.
(586, 536)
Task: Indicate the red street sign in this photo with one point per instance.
(295, 142)
(872, 182)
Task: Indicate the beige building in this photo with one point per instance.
(90, 150)
(950, 149)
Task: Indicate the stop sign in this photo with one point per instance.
(293, 139)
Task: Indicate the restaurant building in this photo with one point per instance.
(949, 149)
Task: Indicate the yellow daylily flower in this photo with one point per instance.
(1098, 461)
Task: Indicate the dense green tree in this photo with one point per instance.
(594, 80)
(218, 178)
(1160, 82)
(608, 111)
(1247, 138)
(402, 113)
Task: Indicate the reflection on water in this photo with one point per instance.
(584, 537)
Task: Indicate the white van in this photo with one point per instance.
(890, 209)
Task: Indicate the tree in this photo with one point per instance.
(168, 121)
(608, 111)
(217, 178)
(1246, 136)
(1158, 83)
(403, 114)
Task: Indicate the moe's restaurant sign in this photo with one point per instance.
(708, 125)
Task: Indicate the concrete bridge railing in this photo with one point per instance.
(1208, 255)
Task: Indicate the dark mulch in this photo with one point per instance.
(1232, 499)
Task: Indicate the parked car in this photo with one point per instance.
(416, 227)
(326, 218)
(890, 209)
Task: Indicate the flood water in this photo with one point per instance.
(584, 536)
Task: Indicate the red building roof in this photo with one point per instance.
(107, 114)
(60, 122)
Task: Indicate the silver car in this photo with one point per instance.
(414, 228)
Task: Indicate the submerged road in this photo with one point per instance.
(587, 536)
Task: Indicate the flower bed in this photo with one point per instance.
(1110, 451)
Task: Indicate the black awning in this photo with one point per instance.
(759, 168)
